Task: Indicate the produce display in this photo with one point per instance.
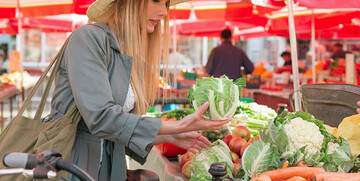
(259, 145)
(227, 151)
(294, 138)
(222, 94)
(15, 78)
(294, 146)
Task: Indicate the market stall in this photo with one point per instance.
(10, 89)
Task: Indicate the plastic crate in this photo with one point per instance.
(246, 99)
(190, 76)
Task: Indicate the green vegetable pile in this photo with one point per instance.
(178, 114)
(213, 135)
(222, 94)
(276, 146)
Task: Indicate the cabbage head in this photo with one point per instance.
(222, 94)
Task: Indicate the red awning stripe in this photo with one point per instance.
(33, 3)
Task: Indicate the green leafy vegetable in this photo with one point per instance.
(218, 152)
(222, 94)
(178, 114)
(260, 157)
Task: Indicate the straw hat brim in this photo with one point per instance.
(100, 8)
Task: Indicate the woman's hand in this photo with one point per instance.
(194, 122)
(191, 141)
(358, 109)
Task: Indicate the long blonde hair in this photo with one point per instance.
(147, 49)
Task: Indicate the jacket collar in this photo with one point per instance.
(226, 42)
(112, 37)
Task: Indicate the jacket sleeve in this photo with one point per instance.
(86, 65)
(249, 66)
(211, 64)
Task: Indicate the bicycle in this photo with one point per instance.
(44, 165)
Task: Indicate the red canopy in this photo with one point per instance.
(323, 21)
(222, 10)
(32, 8)
(330, 4)
(9, 26)
(211, 28)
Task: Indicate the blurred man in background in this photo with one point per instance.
(338, 51)
(286, 56)
(227, 59)
(4, 63)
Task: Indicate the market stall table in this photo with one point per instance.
(8, 92)
(166, 169)
(271, 98)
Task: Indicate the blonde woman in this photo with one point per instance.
(113, 95)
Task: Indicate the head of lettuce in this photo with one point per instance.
(222, 94)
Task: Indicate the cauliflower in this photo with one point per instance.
(303, 133)
(332, 147)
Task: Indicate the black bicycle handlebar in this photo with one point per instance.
(74, 169)
(42, 163)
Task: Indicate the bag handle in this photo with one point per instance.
(292, 101)
(45, 95)
(56, 60)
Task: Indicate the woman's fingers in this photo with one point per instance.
(358, 109)
(205, 141)
(215, 125)
(192, 150)
(202, 109)
(197, 147)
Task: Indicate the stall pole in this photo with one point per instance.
(21, 50)
(174, 51)
(294, 56)
(313, 47)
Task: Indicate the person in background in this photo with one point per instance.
(287, 66)
(338, 51)
(110, 71)
(286, 56)
(4, 63)
(227, 59)
(308, 60)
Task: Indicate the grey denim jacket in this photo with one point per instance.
(99, 91)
